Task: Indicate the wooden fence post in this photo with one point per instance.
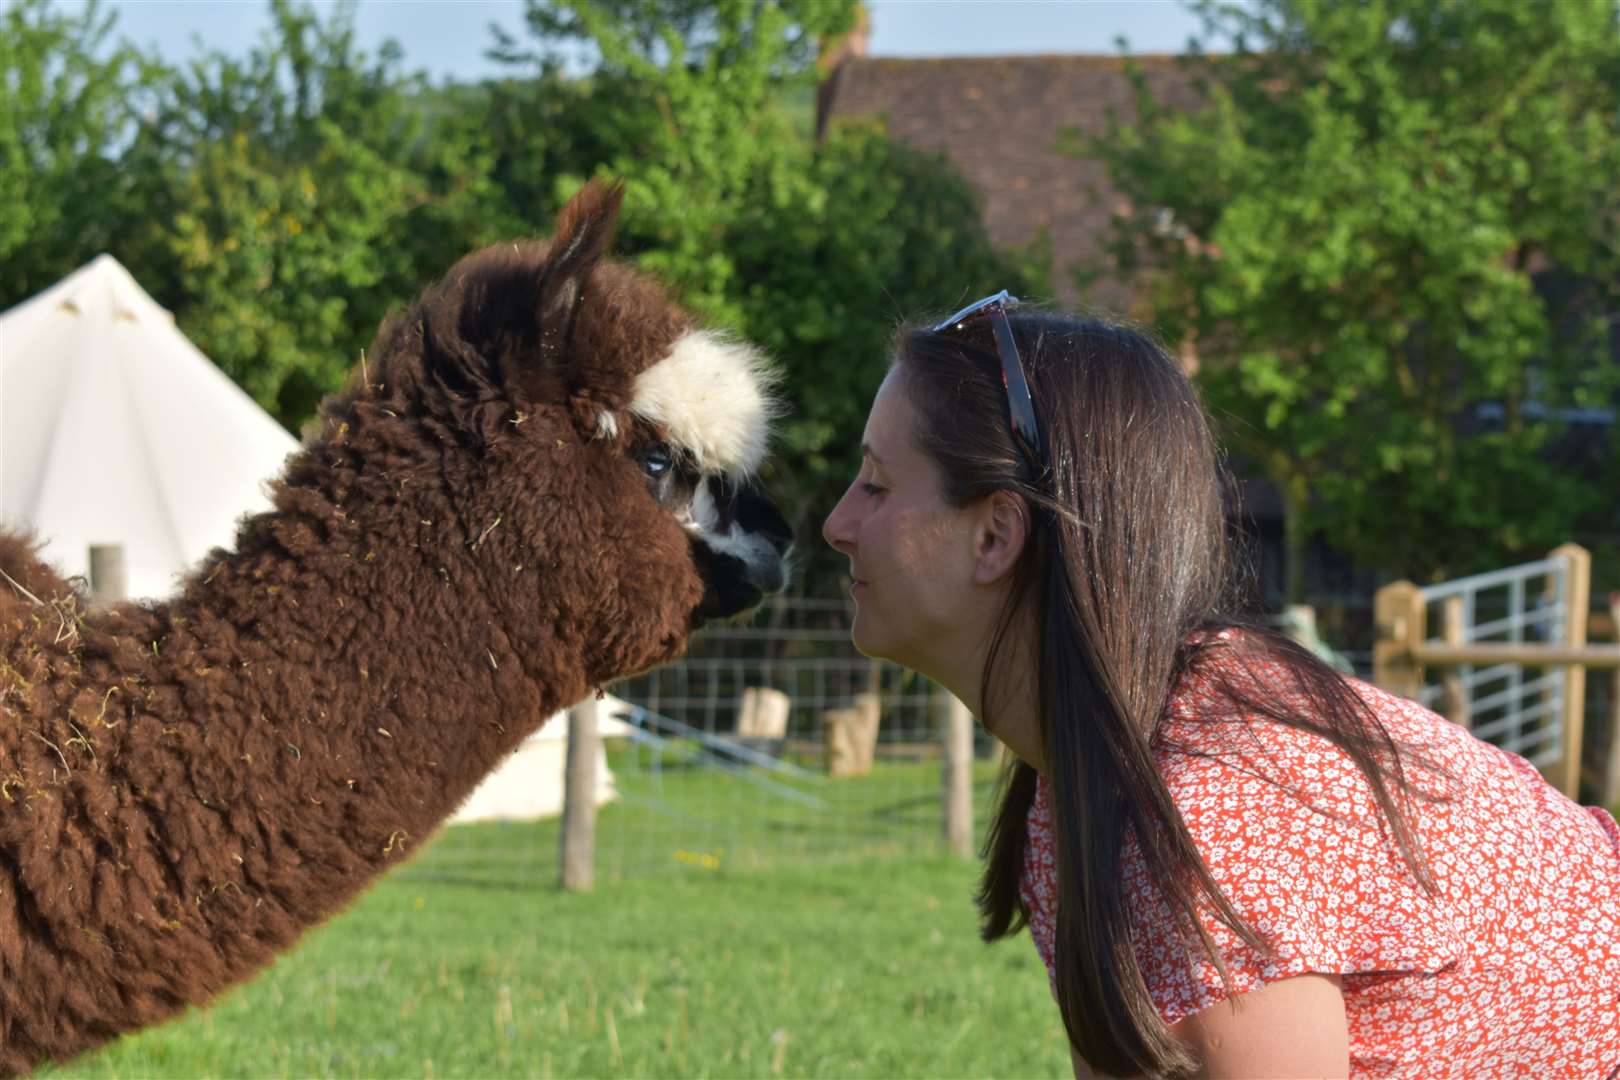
(957, 778)
(1399, 611)
(1299, 624)
(109, 578)
(851, 736)
(1453, 695)
(578, 843)
(762, 713)
(1566, 776)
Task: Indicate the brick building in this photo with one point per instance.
(1003, 122)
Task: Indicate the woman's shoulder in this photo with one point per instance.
(1241, 713)
(1291, 832)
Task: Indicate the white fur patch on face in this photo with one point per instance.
(702, 519)
(607, 425)
(712, 397)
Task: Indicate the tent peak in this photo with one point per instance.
(116, 429)
(105, 288)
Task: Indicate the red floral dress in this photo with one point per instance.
(1511, 968)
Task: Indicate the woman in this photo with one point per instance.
(1233, 859)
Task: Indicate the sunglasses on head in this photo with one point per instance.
(1020, 404)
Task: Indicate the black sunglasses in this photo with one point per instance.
(1020, 404)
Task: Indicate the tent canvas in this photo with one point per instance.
(115, 429)
(529, 785)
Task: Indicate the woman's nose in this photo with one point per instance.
(836, 529)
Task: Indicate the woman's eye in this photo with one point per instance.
(657, 461)
(871, 489)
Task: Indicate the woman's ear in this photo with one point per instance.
(999, 535)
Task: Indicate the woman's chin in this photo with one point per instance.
(866, 642)
(863, 647)
(876, 646)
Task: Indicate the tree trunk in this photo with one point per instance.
(1296, 498)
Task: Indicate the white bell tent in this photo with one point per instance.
(529, 785)
(116, 430)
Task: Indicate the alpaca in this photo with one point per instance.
(535, 482)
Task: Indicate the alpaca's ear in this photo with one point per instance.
(584, 231)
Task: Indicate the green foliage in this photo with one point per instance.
(622, 34)
(867, 234)
(1387, 214)
(301, 193)
(67, 102)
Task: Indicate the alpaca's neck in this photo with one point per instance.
(337, 692)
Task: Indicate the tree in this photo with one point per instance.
(67, 103)
(831, 256)
(1391, 235)
(295, 196)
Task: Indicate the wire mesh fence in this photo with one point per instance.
(699, 784)
(696, 785)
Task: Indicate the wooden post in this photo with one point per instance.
(578, 844)
(109, 581)
(1299, 623)
(762, 713)
(1609, 796)
(1566, 775)
(1454, 697)
(851, 736)
(957, 778)
(1399, 611)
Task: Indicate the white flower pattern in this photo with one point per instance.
(1510, 968)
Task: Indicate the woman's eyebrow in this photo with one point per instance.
(866, 451)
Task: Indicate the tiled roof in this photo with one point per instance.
(999, 119)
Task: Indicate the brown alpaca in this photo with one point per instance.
(535, 484)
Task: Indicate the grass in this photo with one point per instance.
(467, 963)
(675, 810)
(839, 945)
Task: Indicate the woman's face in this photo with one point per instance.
(910, 553)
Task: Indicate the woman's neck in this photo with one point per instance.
(1009, 708)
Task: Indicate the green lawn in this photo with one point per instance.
(679, 812)
(825, 961)
(731, 934)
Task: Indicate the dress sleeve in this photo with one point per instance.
(1312, 870)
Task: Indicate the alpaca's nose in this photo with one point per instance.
(769, 536)
(746, 508)
(757, 514)
(744, 558)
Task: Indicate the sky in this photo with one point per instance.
(447, 38)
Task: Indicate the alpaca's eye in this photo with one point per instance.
(657, 460)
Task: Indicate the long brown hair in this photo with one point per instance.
(1127, 562)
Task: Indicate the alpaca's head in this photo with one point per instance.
(614, 438)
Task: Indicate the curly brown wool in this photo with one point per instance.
(456, 552)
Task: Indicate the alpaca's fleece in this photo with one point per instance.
(461, 547)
